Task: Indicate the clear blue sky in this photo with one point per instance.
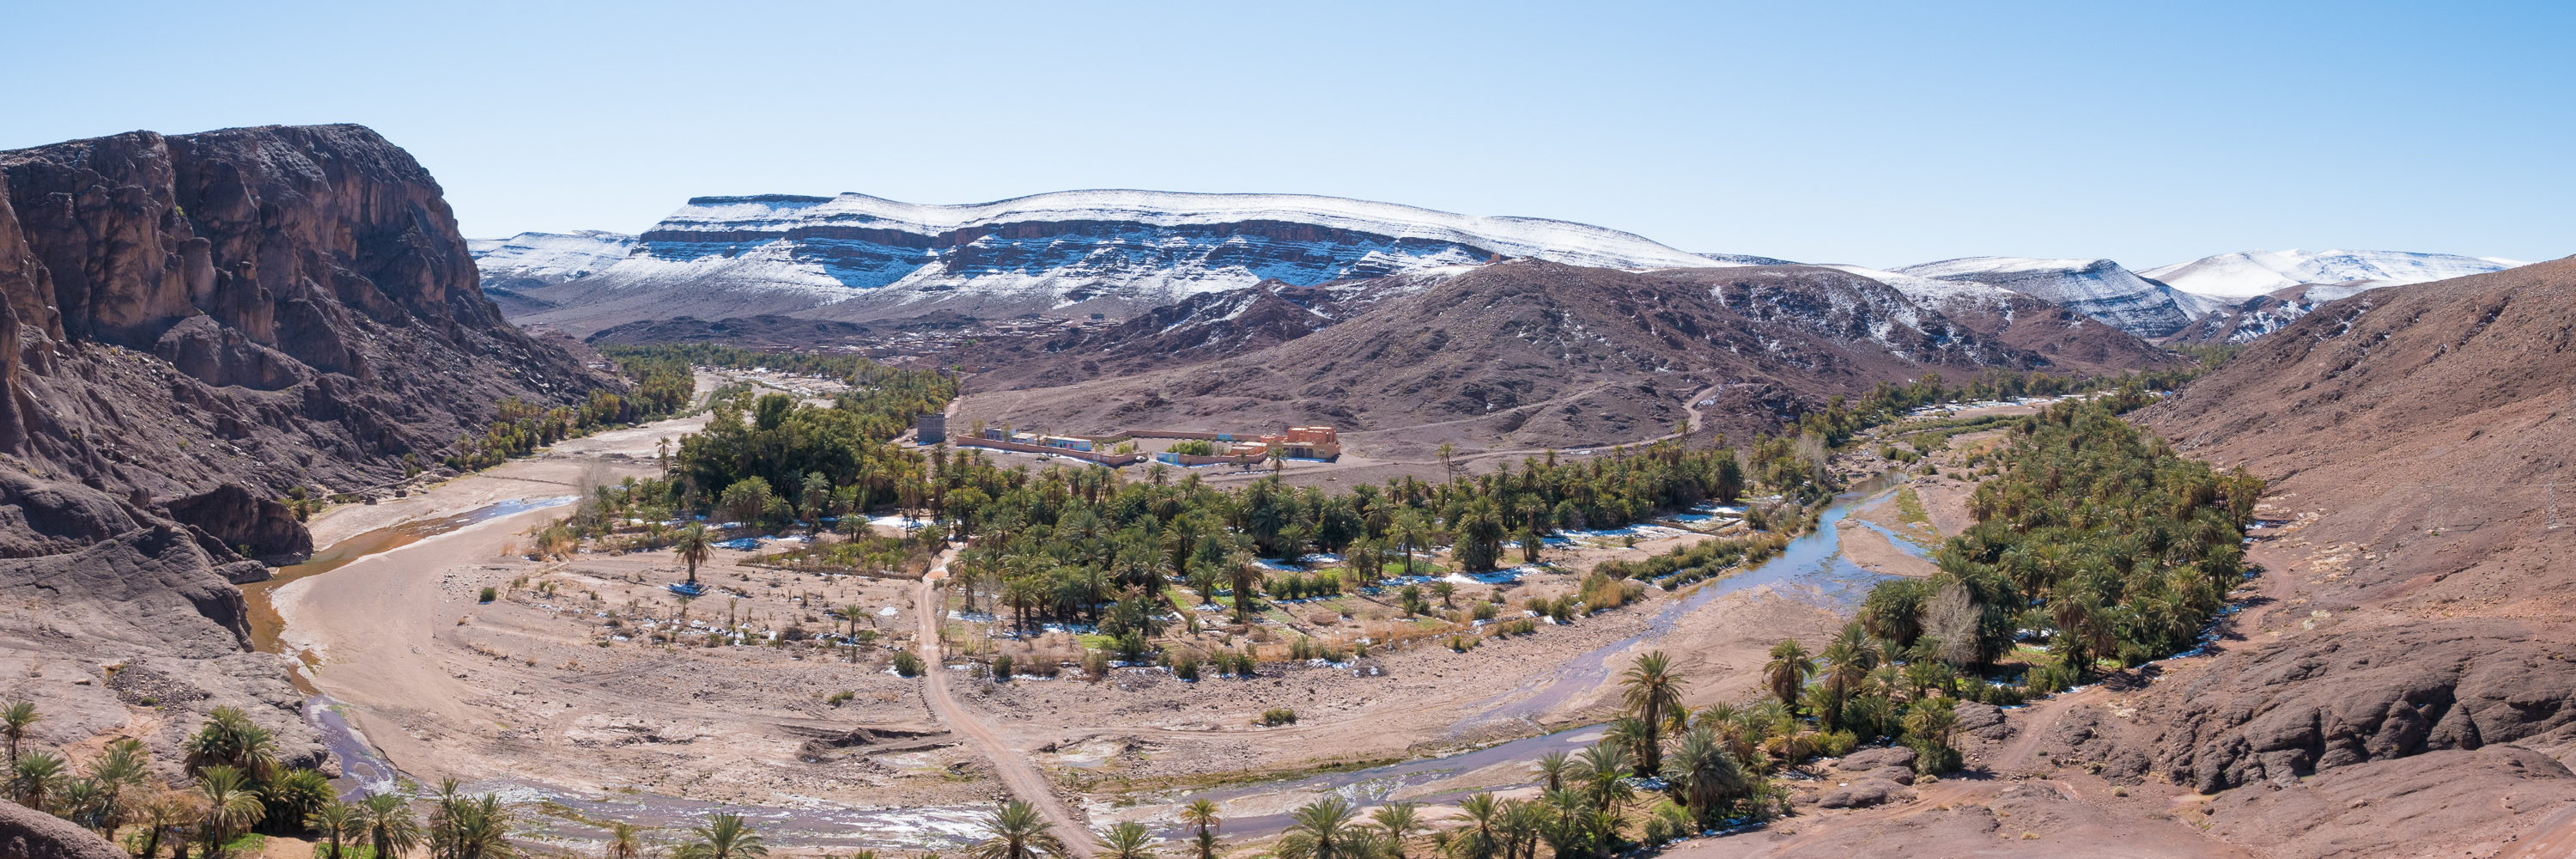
(1880, 134)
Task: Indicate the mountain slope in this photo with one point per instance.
(2248, 274)
(189, 324)
(1525, 354)
(530, 260)
(2412, 623)
(2097, 288)
(854, 257)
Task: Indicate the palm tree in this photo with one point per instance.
(1788, 670)
(624, 843)
(1127, 840)
(295, 795)
(1247, 576)
(14, 720)
(1553, 766)
(1654, 693)
(1411, 530)
(1200, 813)
(229, 738)
(1019, 832)
(463, 827)
(336, 820)
(33, 777)
(1322, 830)
(693, 546)
(124, 766)
(389, 826)
(1485, 816)
(1400, 821)
(724, 836)
(231, 807)
(1447, 453)
(851, 613)
(1705, 774)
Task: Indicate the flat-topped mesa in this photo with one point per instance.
(1114, 251)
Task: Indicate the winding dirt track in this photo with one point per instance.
(1013, 768)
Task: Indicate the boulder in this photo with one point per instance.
(1865, 793)
(29, 834)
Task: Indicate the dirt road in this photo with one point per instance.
(1013, 767)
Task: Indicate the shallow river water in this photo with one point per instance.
(1811, 568)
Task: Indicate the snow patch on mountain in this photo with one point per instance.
(2098, 288)
(2251, 273)
(530, 259)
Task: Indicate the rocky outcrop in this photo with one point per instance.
(256, 307)
(189, 325)
(232, 515)
(2299, 708)
(26, 833)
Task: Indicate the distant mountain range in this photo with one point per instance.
(857, 257)
(854, 257)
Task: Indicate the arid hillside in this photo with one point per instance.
(193, 324)
(2409, 649)
(1524, 354)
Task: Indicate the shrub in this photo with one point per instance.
(1095, 665)
(1002, 668)
(488, 595)
(907, 664)
(1462, 643)
(1484, 611)
(1277, 716)
(1185, 667)
(1836, 744)
(841, 697)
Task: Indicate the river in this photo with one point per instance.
(1811, 568)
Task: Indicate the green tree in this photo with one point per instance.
(336, 820)
(388, 825)
(1401, 821)
(1323, 830)
(1126, 840)
(1018, 831)
(229, 738)
(1788, 670)
(15, 719)
(626, 842)
(723, 836)
(34, 777)
(293, 796)
(231, 807)
(694, 545)
(1654, 693)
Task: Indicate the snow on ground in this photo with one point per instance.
(2246, 274)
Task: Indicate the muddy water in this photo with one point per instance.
(1811, 569)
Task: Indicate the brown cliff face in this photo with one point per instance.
(281, 305)
(191, 324)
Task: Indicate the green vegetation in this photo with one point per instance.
(2095, 534)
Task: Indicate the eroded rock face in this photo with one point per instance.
(232, 515)
(2312, 705)
(295, 298)
(190, 324)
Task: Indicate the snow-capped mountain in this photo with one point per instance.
(1111, 250)
(2251, 273)
(538, 259)
(2098, 288)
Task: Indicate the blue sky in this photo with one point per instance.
(1881, 134)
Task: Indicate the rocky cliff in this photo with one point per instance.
(189, 325)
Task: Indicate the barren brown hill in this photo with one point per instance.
(1525, 354)
(2402, 683)
(192, 324)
